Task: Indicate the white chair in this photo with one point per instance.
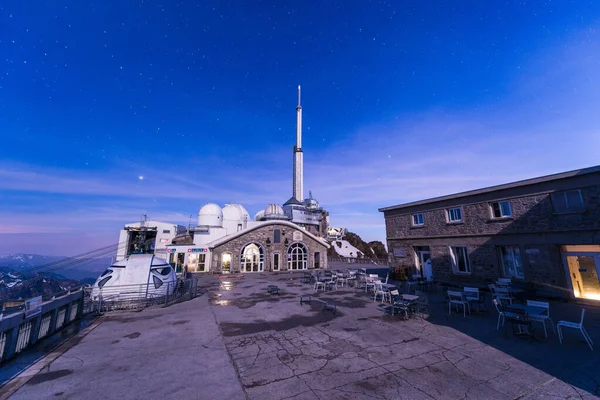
(457, 299)
(503, 282)
(503, 295)
(541, 317)
(379, 291)
(370, 283)
(319, 285)
(575, 325)
(472, 296)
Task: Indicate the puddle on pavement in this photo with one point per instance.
(348, 302)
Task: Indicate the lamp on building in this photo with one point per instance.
(286, 242)
(268, 242)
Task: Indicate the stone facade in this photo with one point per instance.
(259, 236)
(534, 227)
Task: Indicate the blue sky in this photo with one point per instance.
(402, 101)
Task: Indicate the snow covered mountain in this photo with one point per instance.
(68, 267)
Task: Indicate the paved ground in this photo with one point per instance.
(237, 341)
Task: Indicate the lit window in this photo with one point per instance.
(455, 214)
(567, 201)
(511, 261)
(418, 219)
(460, 260)
(501, 209)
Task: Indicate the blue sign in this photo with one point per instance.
(199, 250)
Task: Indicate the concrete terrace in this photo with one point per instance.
(237, 341)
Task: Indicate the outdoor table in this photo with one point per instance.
(388, 285)
(410, 297)
(531, 310)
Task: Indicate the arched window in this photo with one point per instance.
(297, 256)
(252, 258)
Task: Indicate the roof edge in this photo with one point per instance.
(495, 188)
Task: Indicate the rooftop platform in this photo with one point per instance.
(238, 341)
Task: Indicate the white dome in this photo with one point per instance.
(274, 210)
(210, 215)
(235, 212)
(259, 215)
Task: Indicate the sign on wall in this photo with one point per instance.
(297, 236)
(198, 250)
(399, 252)
(33, 306)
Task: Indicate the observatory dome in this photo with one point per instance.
(274, 211)
(259, 215)
(210, 215)
(235, 212)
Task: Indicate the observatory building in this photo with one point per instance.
(227, 240)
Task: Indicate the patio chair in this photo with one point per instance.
(472, 296)
(319, 285)
(541, 317)
(332, 284)
(394, 295)
(503, 295)
(575, 325)
(457, 299)
(520, 319)
(503, 282)
(380, 291)
(370, 283)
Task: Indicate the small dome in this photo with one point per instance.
(273, 209)
(210, 215)
(259, 215)
(235, 212)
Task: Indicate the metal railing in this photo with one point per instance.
(349, 260)
(134, 297)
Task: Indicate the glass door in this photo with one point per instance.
(584, 270)
(226, 263)
(276, 261)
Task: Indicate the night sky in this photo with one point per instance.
(114, 109)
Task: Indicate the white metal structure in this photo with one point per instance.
(74, 309)
(60, 319)
(135, 277)
(24, 336)
(575, 325)
(45, 326)
(2, 344)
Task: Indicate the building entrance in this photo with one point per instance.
(423, 262)
(226, 263)
(584, 270)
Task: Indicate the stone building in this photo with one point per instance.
(544, 230)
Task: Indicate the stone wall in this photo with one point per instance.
(530, 214)
(259, 236)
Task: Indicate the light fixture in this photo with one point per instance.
(268, 242)
(286, 242)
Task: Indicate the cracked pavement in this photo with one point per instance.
(238, 341)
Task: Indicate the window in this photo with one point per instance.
(501, 209)
(276, 236)
(418, 219)
(166, 231)
(297, 256)
(317, 259)
(511, 261)
(252, 258)
(455, 214)
(460, 260)
(567, 201)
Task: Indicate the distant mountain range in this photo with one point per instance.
(30, 275)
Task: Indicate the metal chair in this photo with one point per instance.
(575, 325)
(457, 299)
(541, 317)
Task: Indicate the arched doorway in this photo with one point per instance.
(297, 256)
(252, 258)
